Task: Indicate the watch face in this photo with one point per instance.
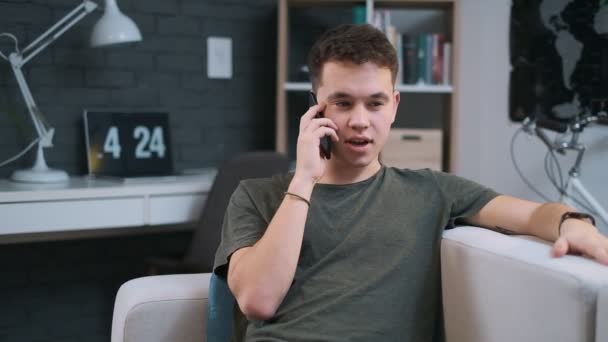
(128, 144)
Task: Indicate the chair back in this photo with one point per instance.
(207, 236)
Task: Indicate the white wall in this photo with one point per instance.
(484, 131)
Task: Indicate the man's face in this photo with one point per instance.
(362, 102)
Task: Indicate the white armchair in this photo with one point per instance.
(495, 288)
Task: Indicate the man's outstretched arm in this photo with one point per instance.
(511, 214)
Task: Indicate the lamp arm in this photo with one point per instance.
(41, 129)
(18, 58)
(69, 20)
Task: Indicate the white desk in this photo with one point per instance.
(86, 203)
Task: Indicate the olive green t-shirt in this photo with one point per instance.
(369, 264)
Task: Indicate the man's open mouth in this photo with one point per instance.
(359, 141)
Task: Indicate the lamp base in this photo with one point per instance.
(40, 176)
(40, 172)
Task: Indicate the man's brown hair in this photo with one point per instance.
(358, 44)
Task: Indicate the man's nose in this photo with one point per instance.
(359, 117)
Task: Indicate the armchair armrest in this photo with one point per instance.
(509, 288)
(162, 308)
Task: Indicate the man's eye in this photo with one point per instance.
(342, 104)
(376, 104)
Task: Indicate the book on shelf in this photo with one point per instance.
(447, 57)
(399, 48)
(436, 58)
(359, 14)
(421, 58)
(424, 57)
(408, 45)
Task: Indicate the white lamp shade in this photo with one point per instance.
(114, 28)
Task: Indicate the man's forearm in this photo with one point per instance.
(518, 216)
(262, 275)
(545, 220)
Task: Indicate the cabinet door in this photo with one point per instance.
(413, 148)
(176, 209)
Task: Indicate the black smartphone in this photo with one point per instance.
(325, 145)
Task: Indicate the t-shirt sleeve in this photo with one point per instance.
(243, 226)
(464, 197)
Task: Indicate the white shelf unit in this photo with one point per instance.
(404, 88)
(447, 93)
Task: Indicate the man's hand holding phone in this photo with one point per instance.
(311, 161)
(325, 144)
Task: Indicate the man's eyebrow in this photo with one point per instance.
(342, 95)
(338, 95)
(381, 96)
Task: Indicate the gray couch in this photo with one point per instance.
(495, 288)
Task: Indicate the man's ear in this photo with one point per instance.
(397, 98)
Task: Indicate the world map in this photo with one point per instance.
(559, 55)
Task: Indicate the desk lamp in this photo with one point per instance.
(111, 29)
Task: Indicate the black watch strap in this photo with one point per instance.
(574, 215)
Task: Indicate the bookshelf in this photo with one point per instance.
(403, 88)
(426, 117)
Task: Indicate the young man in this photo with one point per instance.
(347, 249)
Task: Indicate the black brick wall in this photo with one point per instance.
(166, 71)
(64, 290)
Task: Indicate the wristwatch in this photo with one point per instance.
(574, 215)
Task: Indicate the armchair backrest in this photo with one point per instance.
(499, 288)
